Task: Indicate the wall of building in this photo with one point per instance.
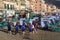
(16, 5)
(38, 5)
(10, 5)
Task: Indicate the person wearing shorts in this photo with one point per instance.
(36, 27)
(31, 28)
(16, 27)
(9, 26)
(23, 29)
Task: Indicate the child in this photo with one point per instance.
(21, 23)
(9, 26)
(44, 24)
(16, 27)
(23, 29)
(31, 28)
(36, 27)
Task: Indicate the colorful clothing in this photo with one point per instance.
(23, 28)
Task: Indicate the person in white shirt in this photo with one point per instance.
(21, 21)
(43, 24)
(31, 21)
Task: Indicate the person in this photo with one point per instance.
(57, 19)
(22, 20)
(50, 20)
(9, 26)
(44, 24)
(16, 27)
(31, 28)
(21, 23)
(36, 27)
(13, 17)
(31, 21)
(23, 29)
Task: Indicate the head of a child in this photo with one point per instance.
(17, 23)
(30, 24)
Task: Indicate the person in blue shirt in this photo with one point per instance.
(9, 26)
(23, 29)
(16, 27)
(31, 28)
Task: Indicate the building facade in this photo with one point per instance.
(10, 5)
(23, 5)
(53, 8)
(48, 8)
(41, 6)
(38, 5)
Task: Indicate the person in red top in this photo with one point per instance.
(36, 27)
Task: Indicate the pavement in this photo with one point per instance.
(41, 35)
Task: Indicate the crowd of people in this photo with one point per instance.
(33, 24)
(49, 19)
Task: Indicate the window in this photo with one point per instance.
(35, 10)
(17, 3)
(35, 7)
(12, 0)
(36, 1)
(40, 1)
(40, 4)
(40, 9)
(23, 2)
(15, 0)
(51, 6)
(10, 6)
(5, 6)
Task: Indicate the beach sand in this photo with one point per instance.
(41, 35)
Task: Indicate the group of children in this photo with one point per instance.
(32, 25)
(49, 18)
(22, 25)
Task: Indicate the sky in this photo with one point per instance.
(54, 2)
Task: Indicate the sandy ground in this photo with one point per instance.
(41, 35)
